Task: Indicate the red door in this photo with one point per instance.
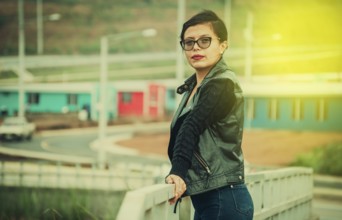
(130, 103)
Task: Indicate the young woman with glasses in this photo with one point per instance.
(206, 131)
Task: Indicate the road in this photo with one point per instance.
(61, 144)
(80, 142)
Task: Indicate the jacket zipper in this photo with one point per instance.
(202, 162)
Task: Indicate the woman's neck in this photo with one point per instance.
(200, 75)
(203, 72)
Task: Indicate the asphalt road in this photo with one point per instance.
(62, 144)
(78, 142)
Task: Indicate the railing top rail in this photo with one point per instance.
(146, 201)
(278, 173)
(137, 202)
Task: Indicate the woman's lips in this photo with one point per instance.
(197, 57)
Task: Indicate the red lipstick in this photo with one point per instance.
(197, 57)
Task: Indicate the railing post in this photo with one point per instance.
(21, 173)
(78, 176)
(40, 174)
(59, 174)
(2, 181)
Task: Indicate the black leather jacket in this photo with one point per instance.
(216, 158)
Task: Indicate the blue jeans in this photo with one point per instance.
(229, 202)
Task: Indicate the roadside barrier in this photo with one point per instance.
(124, 172)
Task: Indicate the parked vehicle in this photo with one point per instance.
(16, 128)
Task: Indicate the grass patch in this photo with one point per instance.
(40, 203)
(324, 160)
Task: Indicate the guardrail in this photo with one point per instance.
(125, 172)
(277, 194)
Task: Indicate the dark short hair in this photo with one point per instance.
(207, 16)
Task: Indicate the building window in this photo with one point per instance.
(33, 98)
(273, 109)
(72, 99)
(126, 97)
(250, 108)
(321, 110)
(297, 109)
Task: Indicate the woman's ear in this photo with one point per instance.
(223, 46)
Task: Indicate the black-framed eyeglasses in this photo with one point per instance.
(203, 42)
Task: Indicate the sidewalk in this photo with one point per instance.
(124, 128)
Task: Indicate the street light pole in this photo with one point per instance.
(104, 42)
(103, 101)
(249, 48)
(40, 25)
(228, 16)
(179, 59)
(21, 93)
(40, 38)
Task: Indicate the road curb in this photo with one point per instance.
(328, 187)
(328, 193)
(45, 156)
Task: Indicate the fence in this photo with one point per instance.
(277, 194)
(124, 173)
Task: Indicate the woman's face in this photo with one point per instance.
(200, 59)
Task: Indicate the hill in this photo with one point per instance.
(306, 33)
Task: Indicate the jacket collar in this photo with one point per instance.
(219, 67)
(187, 84)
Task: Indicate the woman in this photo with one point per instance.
(206, 131)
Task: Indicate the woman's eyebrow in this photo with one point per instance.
(192, 38)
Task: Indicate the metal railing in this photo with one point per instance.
(277, 194)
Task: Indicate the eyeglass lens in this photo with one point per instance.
(203, 42)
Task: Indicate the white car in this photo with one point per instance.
(16, 128)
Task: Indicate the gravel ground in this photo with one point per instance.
(261, 147)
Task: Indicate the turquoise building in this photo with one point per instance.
(57, 98)
(312, 106)
(269, 103)
(288, 104)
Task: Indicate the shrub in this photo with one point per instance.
(323, 160)
(42, 203)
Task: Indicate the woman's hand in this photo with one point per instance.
(180, 187)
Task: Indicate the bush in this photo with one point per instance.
(42, 203)
(323, 160)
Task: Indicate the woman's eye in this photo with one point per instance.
(189, 43)
(205, 40)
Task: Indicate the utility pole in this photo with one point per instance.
(103, 119)
(228, 16)
(21, 93)
(249, 49)
(103, 100)
(179, 60)
(40, 38)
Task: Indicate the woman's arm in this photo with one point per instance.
(216, 101)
